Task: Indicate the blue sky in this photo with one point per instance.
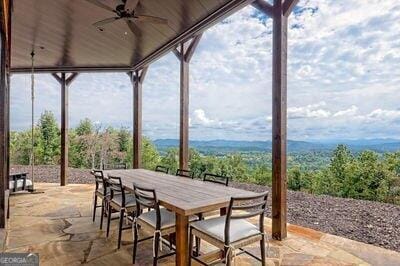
(343, 79)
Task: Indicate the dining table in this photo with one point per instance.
(182, 195)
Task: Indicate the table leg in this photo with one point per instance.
(182, 240)
(222, 211)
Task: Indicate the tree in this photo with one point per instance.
(85, 127)
(170, 159)
(124, 137)
(150, 156)
(49, 140)
(295, 181)
(339, 170)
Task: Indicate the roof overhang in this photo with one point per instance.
(36, 29)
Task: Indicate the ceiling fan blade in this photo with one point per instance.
(130, 5)
(105, 21)
(134, 29)
(100, 4)
(151, 19)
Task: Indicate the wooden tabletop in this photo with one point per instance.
(182, 195)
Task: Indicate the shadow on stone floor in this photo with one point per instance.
(57, 224)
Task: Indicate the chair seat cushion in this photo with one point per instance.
(130, 200)
(20, 183)
(239, 228)
(167, 218)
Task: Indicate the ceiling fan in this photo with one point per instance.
(125, 10)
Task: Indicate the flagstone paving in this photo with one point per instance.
(56, 223)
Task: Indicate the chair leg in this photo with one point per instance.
(170, 239)
(135, 242)
(156, 247)
(121, 224)
(94, 207)
(227, 256)
(198, 240)
(262, 246)
(102, 214)
(190, 246)
(108, 219)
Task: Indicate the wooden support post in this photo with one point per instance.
(279, 12)
(279, 122)
(64, 82)
(4, 105)
(184, 55)
(5, 34)
(137, 78)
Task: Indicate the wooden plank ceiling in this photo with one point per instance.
(63, 36)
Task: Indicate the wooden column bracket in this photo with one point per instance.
(264, 7)
(137, 77)
(65, 82)
(184, 54)
(288, 7)
(270, 10)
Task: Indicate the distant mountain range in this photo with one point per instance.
(224, 146)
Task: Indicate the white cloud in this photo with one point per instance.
(384, 114)
(348, 112)
(343, 76)
(200, 117)
(309, 111)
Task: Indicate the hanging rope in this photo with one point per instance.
(33, 120)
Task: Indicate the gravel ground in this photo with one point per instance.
(366, 221)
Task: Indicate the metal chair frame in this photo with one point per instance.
(162, 169)
(253, 206)
(219, 179)
(114, 183)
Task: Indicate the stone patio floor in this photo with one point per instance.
(57, 224)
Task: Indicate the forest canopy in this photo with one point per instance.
(365, 175)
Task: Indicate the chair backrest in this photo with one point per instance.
(99, 179)
(185, 173)
(114, 166)
(220, 179)
(251, 206)
(147, 198)
(162, 169)
(115, 185)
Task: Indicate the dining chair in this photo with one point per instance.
(101, 192)
(115, 166)
(219, 179)
(159, 221)
(162, 169)
(119, 201)
(185, 173)
(233, 231)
